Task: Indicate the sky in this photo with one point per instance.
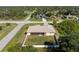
(39, 3)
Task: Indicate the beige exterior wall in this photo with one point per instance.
(49, 34)
(28, 34)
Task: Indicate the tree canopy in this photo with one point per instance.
(67, 27)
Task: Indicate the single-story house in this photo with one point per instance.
(41, 30)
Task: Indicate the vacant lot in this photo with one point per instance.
(14, 13)
(5, 29)
(38, 40)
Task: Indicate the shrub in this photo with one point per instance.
(0, 27)
(7, 24)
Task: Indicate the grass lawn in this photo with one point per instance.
(38, 40)
(6, 29)
(17, 39)
(35, 19)
(16, 42)
(39, 20)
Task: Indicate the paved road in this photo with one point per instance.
(16, 22)
(45, 21)
(9, 37)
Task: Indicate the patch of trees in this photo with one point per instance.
(67, 27)
(69, 42)
(14, 12)
(21, 12)
(69, 36)
(57, 11)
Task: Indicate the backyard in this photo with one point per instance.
(39, 40)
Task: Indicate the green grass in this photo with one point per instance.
(16, 42)
(38, 40)
(35, 19)
(6, 29)
(17, 39)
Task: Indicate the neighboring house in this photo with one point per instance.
(68, 16)
(41, 30)
(77, 20)
(41, 15)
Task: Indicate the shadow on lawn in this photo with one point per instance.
(51, 47)
(61, 46)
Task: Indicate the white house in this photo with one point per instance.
(41, 30)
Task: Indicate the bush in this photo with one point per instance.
(7, 24)
(0, 27)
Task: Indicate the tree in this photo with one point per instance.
(69, 35)
(54, 22)
(70, 42)
(67, 27)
